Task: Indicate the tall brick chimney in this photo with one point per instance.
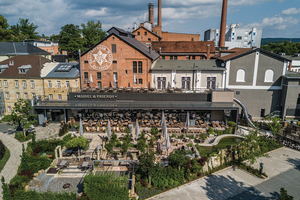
(151, 16)
(223, 24)
(208, 52)
(159, 14)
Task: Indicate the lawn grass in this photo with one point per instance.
(4, 159)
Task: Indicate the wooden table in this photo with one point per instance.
(63, 163)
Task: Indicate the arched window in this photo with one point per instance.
(240, 75)
(269, 76)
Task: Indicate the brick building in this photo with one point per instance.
(119, 60)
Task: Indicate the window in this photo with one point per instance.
(145, 33)
(269, 76)
(86, 61)
(140, 81)
(140, 67)
(115, 62)
(113, 48)
(240, 75)
(59, 96)
(52, 51)
(16, 84)
(171, 57)
(68, 84)
(99, 84)
(134, 67)
(6, 95)
(138, 33)
(163, 57)
(211, 83)
(193, 57)
(22, 71)
(161, 82)
(239, 38)
(9, 109)
(0, 84)
(33, 95)
(58, 84)
(115, 76)
(18, 96)
(50, 97)
(24, 84)
(99, 75)
(186, 83)
(32, 84)
(5, 83)
(25, 96)
(149, 39)
(125, 71)
(49, 84)
(175, 57)
(86, 75)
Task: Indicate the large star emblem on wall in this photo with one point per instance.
(100, 57)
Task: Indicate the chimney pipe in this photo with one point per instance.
(208, 52)
(290, 66)
(151, 16)
(223, 24)
(159, 13)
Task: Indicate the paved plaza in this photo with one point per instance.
(281, 167)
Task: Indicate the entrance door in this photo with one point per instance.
(262, 112)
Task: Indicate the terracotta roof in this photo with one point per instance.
(183, 46)
(142, 27)
(36, 63)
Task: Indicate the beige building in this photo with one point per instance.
(35, 77)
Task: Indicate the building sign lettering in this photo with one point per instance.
(95, 96)
(95, 105)
(100, 58)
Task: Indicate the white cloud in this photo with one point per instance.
(291, 11)
(93, 13)
(276, 22)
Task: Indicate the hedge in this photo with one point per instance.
(4, 158)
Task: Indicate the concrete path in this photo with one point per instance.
(11, 167)
(231, 182)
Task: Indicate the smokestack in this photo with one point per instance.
(151, 16)
(223, 24)
(159, 13)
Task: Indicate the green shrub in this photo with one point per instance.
(18, 180)
(4, 158)
(231, 124)
(63, 130)
(25, 195)
(21, 137)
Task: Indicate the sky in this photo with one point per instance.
(278, 18)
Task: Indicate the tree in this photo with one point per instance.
(5, 188)
(24, 30)
(177, 159)
(20, 116)
(111, 144)
(141, 145)
(5, 33)
(146, 165)
(92, 33)
(126, 141)
(80, 142)
(70, 39)
(54, 37)
(275, 126)
(154, 131)
(284, 195)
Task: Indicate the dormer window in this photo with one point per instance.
(2, 68)
(24, 69)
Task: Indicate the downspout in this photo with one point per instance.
(79, 52)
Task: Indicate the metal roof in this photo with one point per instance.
(72, 73)
(20, 48)
(186, 65)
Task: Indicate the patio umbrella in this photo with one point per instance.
(91, 79)
(137, 129)
(80, 126)
(187, 123)
(167, 141)
(154, 81)
(134, 80)
(108, 129)
(163, 119)
(164, 127)
(175, 80)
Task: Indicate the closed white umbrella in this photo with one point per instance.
(175, 79)
(134, 80)
(108, 129)
(187, 123)
(91, 78)
(137, 129)
(167, 141)
(80, 126)
(154, 81)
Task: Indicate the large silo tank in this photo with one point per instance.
(148, 26)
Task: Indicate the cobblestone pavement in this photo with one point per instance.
(231, 182)
(11, 167)
(56, 185)
(50, 131)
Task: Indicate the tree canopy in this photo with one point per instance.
(141, 145)
(92, 33)
(20, 115)
(80, 142)
(24, 30)
(289, 48)
(5, 32)
(70, 39)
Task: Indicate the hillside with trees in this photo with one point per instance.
(289, 48)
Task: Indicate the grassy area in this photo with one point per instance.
(5, 158)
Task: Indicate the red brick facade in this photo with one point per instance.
(122, 63)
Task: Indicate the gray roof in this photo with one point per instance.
(291, 75)
(73, 73)
(20, 48)
(128, 38)
(292, 57)
(186, 65)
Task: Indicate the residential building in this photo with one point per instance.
(49, 46)
(10, 49)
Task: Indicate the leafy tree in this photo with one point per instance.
(177, 159)
(70, 39)
(92, 33)
(146, 165)
(80, 142)
(141, 145)
(154, 131)
(6, 192)
(284, 195)
(54, 37)
(111, 144)
(5, 33)
(275, 126)
(20, 115)
(24, 30)
(287, 47)
(126, 141)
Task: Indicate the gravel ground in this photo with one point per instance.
(56, 185)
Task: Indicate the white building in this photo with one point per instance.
(236, 37)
